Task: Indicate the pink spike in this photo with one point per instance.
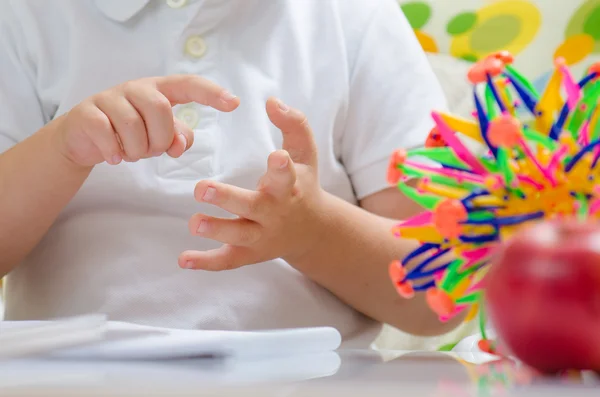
(457, 311)
(477, 254)
(557, 156)
(594, 206)
(419, 220)
(477, 286)
(458, 175)
(549, 176)
(529, 180)
(461, 150)
(584, 136)
(571, 87)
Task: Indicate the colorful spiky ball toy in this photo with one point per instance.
(539, 161)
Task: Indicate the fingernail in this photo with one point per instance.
(282, 106)
(184, 140)
(227, 96)
(284, 163)
(209, 195)
(116, 159)
(188, 265)
(156, 154)
(203, 226)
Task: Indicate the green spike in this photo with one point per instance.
(490, 103)
(544, 140)
(504, 166)
(579, 116)
(440, 179)
(583, 210)
(489, 164)
(427, 201)
(471, 298)
(480, 215)
(442, 155)
(524, 81)
(596, 133)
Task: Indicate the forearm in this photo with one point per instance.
(352, 262)
(36, 182)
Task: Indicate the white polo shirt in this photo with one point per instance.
(353, 66)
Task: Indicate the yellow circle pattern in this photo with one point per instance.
(527, 19)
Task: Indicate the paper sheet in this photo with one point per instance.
(126, 341)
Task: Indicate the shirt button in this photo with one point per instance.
(176, 3)
(189, 116)
(195, 46)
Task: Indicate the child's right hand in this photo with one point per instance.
(135, 120)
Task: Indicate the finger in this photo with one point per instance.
(100, 131)
(239, 231)
(127, 123)
(281, 175)
(183, 139)
(157, 115)
(297, 135)
(241, 202)
(228, 257)
(182, 89)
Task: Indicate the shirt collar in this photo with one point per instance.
(120, 10)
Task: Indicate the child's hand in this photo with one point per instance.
(280, 219)
(135, 120)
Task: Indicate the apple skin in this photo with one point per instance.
(542, 295)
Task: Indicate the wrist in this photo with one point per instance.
(55, 136)
(321, 220)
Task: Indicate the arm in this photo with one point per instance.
(35, 184)
(344, 248)
(35, 181)
(40, 175)
(352, 262)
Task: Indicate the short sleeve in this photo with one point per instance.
(393, 91)
(21, 113)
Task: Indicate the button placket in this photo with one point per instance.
(191, 54)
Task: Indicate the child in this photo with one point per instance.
(86, 90)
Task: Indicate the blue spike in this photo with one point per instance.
(506, 221)
(528, 99)
(587, 79)
(425, 286)
(418, 251)
(427, 261)
(495, 93)
(429, 273)
(483, 123)
(580, 155)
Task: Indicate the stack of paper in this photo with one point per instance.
(95, 338)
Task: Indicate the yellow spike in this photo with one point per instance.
(472, 313)
(550, 103)
(421, 233)
(444, 191)
(510, 106)
(464, 126)
(486, 201)
(594, 123)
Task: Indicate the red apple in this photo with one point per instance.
(543, 295)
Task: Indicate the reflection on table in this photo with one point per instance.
(345, 373)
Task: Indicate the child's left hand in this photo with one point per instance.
(281, 218)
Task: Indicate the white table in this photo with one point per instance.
(344, 374)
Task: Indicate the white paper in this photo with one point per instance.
(126, 341)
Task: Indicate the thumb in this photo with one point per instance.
(183, 139)
(281, 175)
(298, 138)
